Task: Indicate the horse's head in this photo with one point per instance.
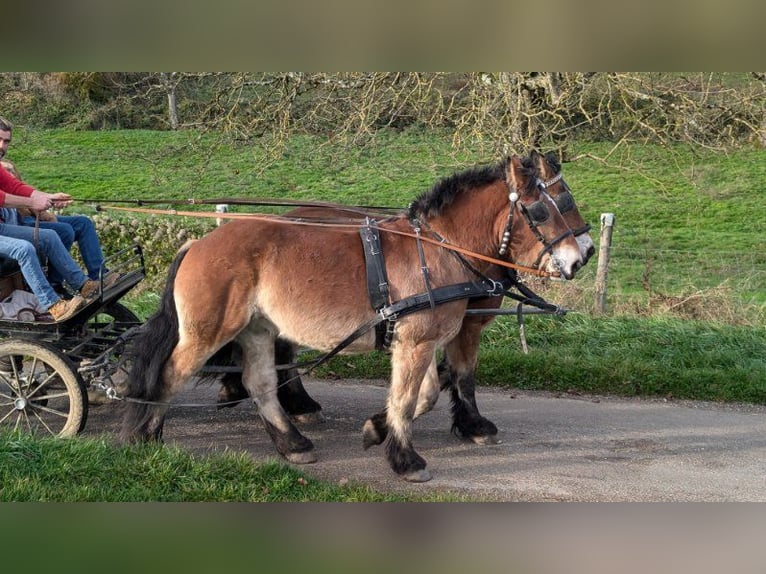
(549, 170)
(537, 234)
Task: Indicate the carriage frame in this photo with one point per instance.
(58, 368)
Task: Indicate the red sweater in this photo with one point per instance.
(9, 184)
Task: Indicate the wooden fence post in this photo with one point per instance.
(604, 251)
(221, 208)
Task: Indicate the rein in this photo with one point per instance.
(282, 219)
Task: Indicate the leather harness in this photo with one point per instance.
(387, 312)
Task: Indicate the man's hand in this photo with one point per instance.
(60, 199)
(40, 201)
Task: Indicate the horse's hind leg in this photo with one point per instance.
(457, 372)
(177, 371)
(290, 391)
(260, 378)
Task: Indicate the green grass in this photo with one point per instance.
(87, 470)
(687, 280)
(694, 217)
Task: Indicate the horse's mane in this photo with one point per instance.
(443, 193)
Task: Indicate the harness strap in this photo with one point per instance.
(405, 307)
(440, 295)
(377, 280)
(423, 266)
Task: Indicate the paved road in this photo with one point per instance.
(561, 448)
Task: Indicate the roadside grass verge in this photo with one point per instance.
(629, 356)
(93, 469)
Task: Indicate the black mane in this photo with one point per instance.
(444, 191)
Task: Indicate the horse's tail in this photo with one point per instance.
(149, 351)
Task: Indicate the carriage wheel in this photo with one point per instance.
(118, 313)
(112, 313)
(43, 394)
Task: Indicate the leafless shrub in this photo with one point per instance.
(487, 112)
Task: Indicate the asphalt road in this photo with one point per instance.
(553, 447)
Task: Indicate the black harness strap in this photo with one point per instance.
(437, 296)
(409, 305)
(377, 280)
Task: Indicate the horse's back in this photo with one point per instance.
(289, 275)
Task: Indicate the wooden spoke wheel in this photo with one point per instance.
(41, 393)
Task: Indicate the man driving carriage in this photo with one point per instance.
(70, 228)
(17, 242)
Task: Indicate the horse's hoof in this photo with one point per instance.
(306, 457)
(421, 475)
(486, 440)
(310, 418)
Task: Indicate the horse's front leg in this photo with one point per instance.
(409, 365)
(375, 428)
(457, 373)
(260, 378)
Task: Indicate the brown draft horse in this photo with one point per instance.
(251, 281)
(457, 369)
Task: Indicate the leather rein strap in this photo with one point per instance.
(288, 221)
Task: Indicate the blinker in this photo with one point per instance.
(565, 202)
(537, 212)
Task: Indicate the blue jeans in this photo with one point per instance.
(16, 241)
(71, 228)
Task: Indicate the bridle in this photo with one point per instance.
(564, 201)
(535, 214)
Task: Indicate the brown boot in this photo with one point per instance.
(63, 309)
(91, 287)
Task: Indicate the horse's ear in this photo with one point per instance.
(516, 175)
(538, 160)
(552, 160)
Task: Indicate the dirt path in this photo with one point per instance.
(553, 448)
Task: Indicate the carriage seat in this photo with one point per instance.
(10, 276)
(8, 266)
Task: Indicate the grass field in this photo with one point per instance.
(687, 221)
(687, 282)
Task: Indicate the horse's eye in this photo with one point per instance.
(565, 202)
(538, 212)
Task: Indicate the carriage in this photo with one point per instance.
(52, 371)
